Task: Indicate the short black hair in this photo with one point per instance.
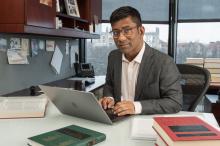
(124, 12)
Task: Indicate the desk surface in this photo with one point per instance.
(14, 132)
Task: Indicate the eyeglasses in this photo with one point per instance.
(125, 31)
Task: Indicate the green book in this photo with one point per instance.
(67, 136)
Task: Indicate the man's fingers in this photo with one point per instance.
(124, 108)
(107, 102)
(111, 103)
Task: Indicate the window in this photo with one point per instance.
(156, 35)
(198, 40)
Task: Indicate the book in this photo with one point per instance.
(23, 106)
(212, 65)
(72, 135)
(215, 78)
(212, 60)
(214, 70)
(194, 60)
(185, 131)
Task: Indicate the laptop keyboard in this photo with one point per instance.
(110, 113)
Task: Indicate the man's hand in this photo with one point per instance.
(107, 102)
(124, 108)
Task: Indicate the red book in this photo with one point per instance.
(186, 131)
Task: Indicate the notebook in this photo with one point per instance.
(81, 104)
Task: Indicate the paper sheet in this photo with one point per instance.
(50, 45)
(142, 129)
(56, 61)
(16, 57)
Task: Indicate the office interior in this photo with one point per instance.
(182, 29)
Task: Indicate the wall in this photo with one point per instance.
(38, 71)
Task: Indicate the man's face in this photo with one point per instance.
(128, 36)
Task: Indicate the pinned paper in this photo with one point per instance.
(15, 43)
(50, 45)
(3, 44)
(41, 44)
(67, 47)
(16, 57)
(56, 61)
(34, 47)
(25, 47)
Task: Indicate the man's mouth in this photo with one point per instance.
(123, 45)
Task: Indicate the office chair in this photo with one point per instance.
(195, 82)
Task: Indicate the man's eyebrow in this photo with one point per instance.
(121, 28)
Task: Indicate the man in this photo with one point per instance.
(140, 79)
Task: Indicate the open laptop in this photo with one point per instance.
(80, 104)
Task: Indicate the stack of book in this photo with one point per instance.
(213, 65)
(185, 131)
(195, 61)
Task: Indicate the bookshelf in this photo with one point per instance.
(33, 17)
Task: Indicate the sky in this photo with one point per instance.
(200, 32)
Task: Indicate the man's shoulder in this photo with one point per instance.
(160, 55)
(115, 52)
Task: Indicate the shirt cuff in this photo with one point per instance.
(137, 107)
(110, 97)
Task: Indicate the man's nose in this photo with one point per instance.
(121, 37)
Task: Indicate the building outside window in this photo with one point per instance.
(198, 40)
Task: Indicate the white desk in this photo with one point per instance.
(14, 132)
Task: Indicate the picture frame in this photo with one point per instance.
(72, 8)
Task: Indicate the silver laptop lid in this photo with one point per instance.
(76, 103)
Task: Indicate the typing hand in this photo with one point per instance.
(107, 102)
(124, 108)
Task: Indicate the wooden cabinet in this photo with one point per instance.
(33, 17)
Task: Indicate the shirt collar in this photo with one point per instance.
(138, 58)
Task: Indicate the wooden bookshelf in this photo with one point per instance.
(32, 17)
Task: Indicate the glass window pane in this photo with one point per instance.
(151, 10)
(198, 40)
(199, 9)
(156, 35)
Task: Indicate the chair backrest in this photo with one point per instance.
(195, 82)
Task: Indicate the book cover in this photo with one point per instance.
(189, 130)
(72, 135)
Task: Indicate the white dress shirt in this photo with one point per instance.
(129, 76)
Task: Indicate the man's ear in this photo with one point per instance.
(142, 30)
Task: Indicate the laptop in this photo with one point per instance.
(80, 104)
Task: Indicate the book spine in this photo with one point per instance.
(93, 142)
(97, 140)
